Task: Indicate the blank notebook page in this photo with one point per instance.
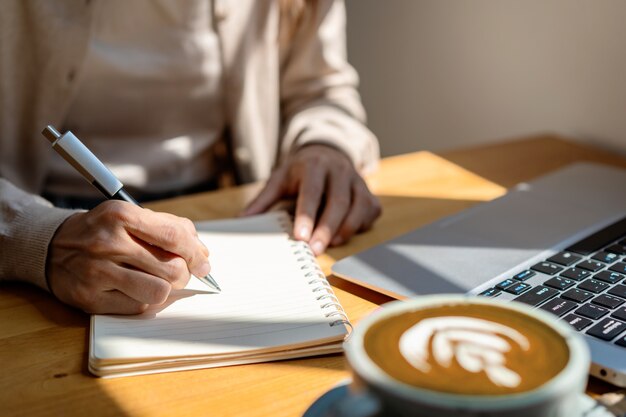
(269, 301)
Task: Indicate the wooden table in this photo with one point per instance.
(44, 344)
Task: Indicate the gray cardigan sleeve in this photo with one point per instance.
(27, 225)
(319, 98)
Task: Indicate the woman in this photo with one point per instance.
(155, 89)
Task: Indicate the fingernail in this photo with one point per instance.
(318, 247)
(305, 233)
(204, 269)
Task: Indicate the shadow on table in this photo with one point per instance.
(47, 343)
(43, 358)
(45, 362)
(49, 375)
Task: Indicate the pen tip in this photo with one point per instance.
(209, 281)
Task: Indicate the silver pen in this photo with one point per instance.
(95, 172)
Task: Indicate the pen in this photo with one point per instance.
(94, 171)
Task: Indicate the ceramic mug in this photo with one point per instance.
(375, 392)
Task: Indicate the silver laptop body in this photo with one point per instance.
(553, 243)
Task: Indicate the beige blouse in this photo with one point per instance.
(280, 93)
(149, 99)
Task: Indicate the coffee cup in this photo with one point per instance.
(465, 356)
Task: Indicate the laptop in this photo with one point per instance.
(557, 243)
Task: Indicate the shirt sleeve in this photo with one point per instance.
(27, 225)
(319, 98)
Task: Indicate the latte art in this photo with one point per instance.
(467, 349)
(477, 345)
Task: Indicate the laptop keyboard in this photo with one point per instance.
(585, 285)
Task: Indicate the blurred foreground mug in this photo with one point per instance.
(465, 356)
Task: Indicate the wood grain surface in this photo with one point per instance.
(43, 343)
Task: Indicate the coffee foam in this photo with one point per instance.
(476, 344)
(467, 349)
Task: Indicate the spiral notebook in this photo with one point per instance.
(275, 304)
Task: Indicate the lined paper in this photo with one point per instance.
(266, 303)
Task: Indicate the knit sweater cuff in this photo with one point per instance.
(37, 224)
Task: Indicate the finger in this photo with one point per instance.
(353, 221)
(373, 213)
(173, 234)
(270, 194)
(116, 302)
(155, 261)
(337, 206)
(363, 212)
(203, 249)
(308, 202)
(191, 229)
(138, 285)
(374, 210)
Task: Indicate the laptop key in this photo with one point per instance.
(559, 283)
(619, 268)
(593, 285)
(547, 268)
(559, 306)
(536, 295)
(490, 292)
(506, 284)
(518, 288)
(577, 322)
(606, 257)
(619, 290)
(607, 329)
(576, 274)
(609, 276)
(564, 258)
(524, 275)
(607, 301)
(620, 314)
(592, 312)
(592, 266)
(577, 295)
(617, 248)
(621, 341)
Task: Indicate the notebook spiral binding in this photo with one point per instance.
(317, 280)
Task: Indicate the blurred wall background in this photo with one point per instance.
(437, 74)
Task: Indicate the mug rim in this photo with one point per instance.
(567, 378)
